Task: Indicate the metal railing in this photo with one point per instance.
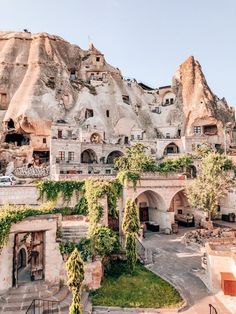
(212, 309)
(39, 306)
(141, 251)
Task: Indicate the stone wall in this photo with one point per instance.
(19, 195)
(54, 265)
(219, 260)
(52, 258)
(31, 172)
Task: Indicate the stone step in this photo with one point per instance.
(69, 237)
(29, 296)
(74, 232)
(20, 302)
(75, 228)
(30, 287)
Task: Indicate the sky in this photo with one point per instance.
(145, 39)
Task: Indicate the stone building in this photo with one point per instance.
(45, 81)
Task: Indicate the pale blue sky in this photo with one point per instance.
(146, 39)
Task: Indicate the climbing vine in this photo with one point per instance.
(52, 190)
(10, 215)
(95, 190)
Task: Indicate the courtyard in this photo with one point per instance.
(178, 264)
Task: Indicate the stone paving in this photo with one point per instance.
(177, 263)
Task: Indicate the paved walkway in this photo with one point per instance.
(177, 263)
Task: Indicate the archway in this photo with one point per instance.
(113, 155)
(28, 257)
(183, 213)
(22, 258)
(151, 209)
(88, 156)
(171, 148)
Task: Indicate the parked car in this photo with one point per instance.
(6, 181)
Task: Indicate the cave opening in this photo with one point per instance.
(41, 157)
(10, 124)
(19, 139)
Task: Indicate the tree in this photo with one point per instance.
(132, 163)
(131, 226)
(135, 159)
(212, 183)
(75, 271)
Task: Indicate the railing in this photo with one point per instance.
(39, 306)
(141, 251)
(212, 309)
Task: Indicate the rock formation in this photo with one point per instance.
(44, 78)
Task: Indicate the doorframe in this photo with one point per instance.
(15, 257)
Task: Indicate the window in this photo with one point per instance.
(69, 133)
(171, 101)
(97, 59)
(158, 110)
(138, 136)
(167, 135)
(210, 129)
(108, 171)
(88, 113)
(107, 113)
(197, 130)
(72, 75)
(132, 137)
(71, 155)
(125, 99)
(61, 155)
(59, 133)
(167, 101)
(44, 140)
(92, 76)
(3, 101)
(103, 76)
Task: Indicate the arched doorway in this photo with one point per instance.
(88, 156)
(28, 257)
(151, 208)
(171, 148)
(113, 155)
(22, 258)
(183, 213)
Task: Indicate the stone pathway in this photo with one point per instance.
(177, 263)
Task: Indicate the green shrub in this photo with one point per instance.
(104, 242)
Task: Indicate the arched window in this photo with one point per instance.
(88, 156)
(113, 155)
(171, 148)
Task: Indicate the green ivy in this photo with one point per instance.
(14, 214)
(126, 176)
(52, 190)
(103, 242)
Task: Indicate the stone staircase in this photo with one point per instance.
(73, 232)
(19, 299)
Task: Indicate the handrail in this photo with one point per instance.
(212, 309)
(141, 251)
(41, 306)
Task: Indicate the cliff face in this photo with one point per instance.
(199, 105)
(43, 78)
